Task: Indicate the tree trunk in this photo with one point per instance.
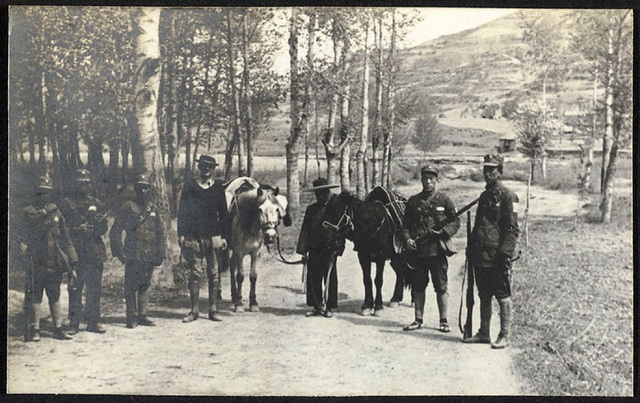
(377, 126)
(293, 189)
(147, 155)
(361, 183)
(235, 102)
(607, 196)
(345, 130)
(607, 140)
(311, 30)
(391, 104)
(41, 122)
(248, 120)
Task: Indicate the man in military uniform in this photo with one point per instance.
(203, 230)
(492, 246)
(86, 221)
(144, 248)
(49, 253)
(320, 251)
(429, 221)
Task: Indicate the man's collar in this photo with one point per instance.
(206, 184)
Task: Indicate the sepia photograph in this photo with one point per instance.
(320, 201)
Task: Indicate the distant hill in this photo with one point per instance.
(486, 64)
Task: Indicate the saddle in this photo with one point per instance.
(395, 205)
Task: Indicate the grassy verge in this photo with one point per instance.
(573, 294)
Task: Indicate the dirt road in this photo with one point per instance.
(277, 351)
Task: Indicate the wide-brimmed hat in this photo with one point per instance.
(44, 183)
(320, 184)
(207, 159)
(493, 160)
(141, 181)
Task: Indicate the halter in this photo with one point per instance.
(344, 222)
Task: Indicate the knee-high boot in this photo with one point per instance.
(194, 297)
(505, 323)
(483, 336)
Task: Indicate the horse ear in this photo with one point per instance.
(276, 191)
(260, 192)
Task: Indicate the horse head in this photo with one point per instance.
(338, 214)
(272, 207)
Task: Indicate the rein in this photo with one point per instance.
(282, 258)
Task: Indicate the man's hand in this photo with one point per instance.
(73, 277)
(501, 260)
(181, 241)
(411, 244)
(434, 233)
(304, 259)
(224, 244)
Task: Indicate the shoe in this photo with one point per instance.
(415, 325)
(191, 317)
(314, 312)
(96, 328)
(478, 338)
(60, 334)
(145, 321)
(73, 329)
(35, 336)
(444, 327)
(131, 323)
(215, 317)
(501, 342)
(327, 313)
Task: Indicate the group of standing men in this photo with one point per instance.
(53, 244)
(430, 221)
(68, 239)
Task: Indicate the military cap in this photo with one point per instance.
(493, 160)
(429, 169)
(44, 182)
(83, 175)
(142, 181)
(207, 159)
(320, 184)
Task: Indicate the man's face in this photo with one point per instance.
(206, 170)
(491, 174)
(143, 192)
(322, 195)
(429, 181)
(83, 187)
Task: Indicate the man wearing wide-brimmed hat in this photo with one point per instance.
(320, 254)
(203, 230)
(492, 246)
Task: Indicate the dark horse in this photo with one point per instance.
(370, 226)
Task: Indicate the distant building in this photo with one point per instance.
(507, 144)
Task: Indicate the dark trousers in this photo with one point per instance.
(137, 279)
(318, 266)
(89, 275)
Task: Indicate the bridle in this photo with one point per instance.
(344, 222)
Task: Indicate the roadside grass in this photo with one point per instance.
(573, 306)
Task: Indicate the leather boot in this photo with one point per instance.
(143, 303)
(194, 296)
(60, 334)
(505, 324)
(483, 336)
(214, 289)
(443, 306)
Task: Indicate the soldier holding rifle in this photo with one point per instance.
(491, 248)
(430, 220)
(49, 253)
(87, 223)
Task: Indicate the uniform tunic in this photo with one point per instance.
(86, 224)
(426, 211)
(495, 232)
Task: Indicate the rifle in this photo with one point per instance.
(468, 326)
(29, 289)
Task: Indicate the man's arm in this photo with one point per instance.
(453, 220)
(509, 229)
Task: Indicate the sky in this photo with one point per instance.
(435, 22)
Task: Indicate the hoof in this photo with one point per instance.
(366, 312)
(393, 304)
(239, 308)
(377, 312)
(254, 308)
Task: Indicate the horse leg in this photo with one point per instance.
(239, 279)
(253, 277)
(233, 265)
(365, 263)
(378, 281)
(398, 290)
